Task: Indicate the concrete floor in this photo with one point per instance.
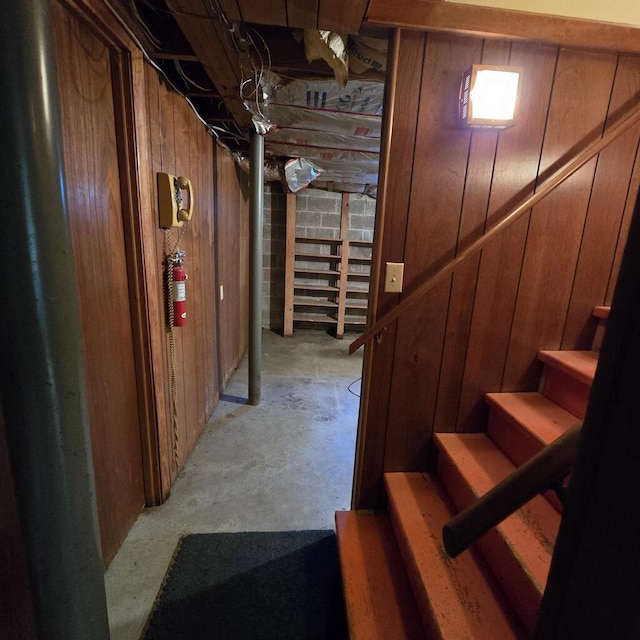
(286, 464)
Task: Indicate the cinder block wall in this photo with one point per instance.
(317, 215)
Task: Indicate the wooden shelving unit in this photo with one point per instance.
(326, 279)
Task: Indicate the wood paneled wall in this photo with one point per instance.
(533, 288)
(210, 346)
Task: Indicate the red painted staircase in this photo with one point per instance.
(398, 580)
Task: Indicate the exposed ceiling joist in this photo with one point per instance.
(211, 44)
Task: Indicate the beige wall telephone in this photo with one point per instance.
(173, 212)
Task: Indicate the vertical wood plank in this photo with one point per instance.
(604, 216)
(406, 61)
(344, 263)
(94, 201)
(632, 194)
(477, 189)
(155, 267)
(302, 14)
(432, 230)
(557, 223)
(289, 261)
(514, 175)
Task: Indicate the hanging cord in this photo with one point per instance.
(170, 254)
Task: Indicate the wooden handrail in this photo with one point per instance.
(537, 475)
(547, 187)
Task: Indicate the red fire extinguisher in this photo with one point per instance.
(178, 283)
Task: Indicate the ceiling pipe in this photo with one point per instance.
(256, 216)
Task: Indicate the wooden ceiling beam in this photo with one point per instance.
(302, 14)
(180, 57)
(210, 43)
(486, 22)
(264, 11)
(344, 16)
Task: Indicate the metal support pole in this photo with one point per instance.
(255, 266)
(41, 378)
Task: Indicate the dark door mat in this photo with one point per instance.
(254, 586)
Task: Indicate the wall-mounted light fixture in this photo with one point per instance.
(489, 96)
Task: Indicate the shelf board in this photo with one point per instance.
(315, 287)
(309, 240)
(318, 272)
(311, 257)
(315, 303)
(313, 317)
(358, 274)
(361, 243)
(353, 320)
(356, 305)
(360, 259)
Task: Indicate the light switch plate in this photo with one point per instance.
(393, 277)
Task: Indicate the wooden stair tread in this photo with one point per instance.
(456, 598)
(535, 413)
(377, 593)
(601, 312)
(519, 549)
(579, 364)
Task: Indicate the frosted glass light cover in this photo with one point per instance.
(489, 96)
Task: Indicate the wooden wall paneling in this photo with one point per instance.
(200, 297)
(477, 189)
(264, 11)
(302, 14)
(557, 222)
(439, 168)
(230, 243)
(290, 256)
(92, 172)
(168, 165)
(402, 99)
(514, 177)
(604, 216)
(134, 223)
(188, 381)
(155, 266)
(340, 16)
(632, 195)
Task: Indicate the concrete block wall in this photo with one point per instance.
(317, 215)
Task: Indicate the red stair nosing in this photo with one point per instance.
(601, 312)
(457, 598)
(378, 597)
(567, 378)
(519, 549)
(580, 365)
(523, 423)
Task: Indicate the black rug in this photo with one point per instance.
(251, 586)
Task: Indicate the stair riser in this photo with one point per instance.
(524, 595)
(571, 394)
(518, 444)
